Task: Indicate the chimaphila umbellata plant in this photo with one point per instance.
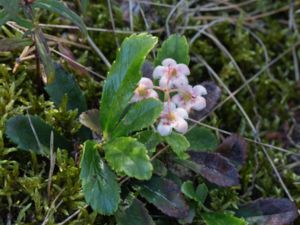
(172, 79)
(143, 150)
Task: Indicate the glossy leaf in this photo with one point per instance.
(44, 55)
(126, 154)
(222, 219)
(166, 196)
(61, 9)
(175, 47)
(135, 214)
(91, 120)
(212, 98)
(150, 139)
(179, 144)
(201, 139)
(123, 78)
(100, 187)
(235, 149)
(269, 212)
(32, 133)
(10, 44)
(64, 84)
(139, 116)
(213, 167)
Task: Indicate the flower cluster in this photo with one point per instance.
(179, 97)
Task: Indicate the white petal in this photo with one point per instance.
(181, 112)
(177, 99)
(146, 82)
(199, 90)
(164, 129)
(169, 62)
(180, 81)
(152, 94)
(135, 98)
(183, 69)
(163, 82)
(181, 126)
(187, 106)
(199, 103)
(159, 71)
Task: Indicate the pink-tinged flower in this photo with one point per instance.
(172, 117)
(171, 74)
(144, 90)
(190, 97)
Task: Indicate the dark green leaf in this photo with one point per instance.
(179, 144)
(222, 219)
(175, 47)
(150, 139)
(91, 120)
(201, 139)
(235, 149)
(10, 44)
(63, 85)
(213, 167)
(135, 214)
(140, 115)
(166, 196)
(44, 55)
(126, 154)
(100, 186)
(61, 9)
(21, 132)
(269, 212)
(123, 78)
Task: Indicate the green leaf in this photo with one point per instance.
(179, 144)
(32, 133)
(187, 188)
(198, 195)
(135, 214)
(175, 47)
(126, 154)
(123, 78)
(83, 5)
(10, 12)
(61, 9)
(63, 85)
(44, 54)
(150, 139)
(4, 17)
(222, 219)
(100, 187)
(91, 120)
(202, 139)
(140, 115)
(11, 7)
(166, 196)
(201, 192)
(10, 44)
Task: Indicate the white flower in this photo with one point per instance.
(172, 117)
(190, 97)
(171, 74)
(144, 90)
